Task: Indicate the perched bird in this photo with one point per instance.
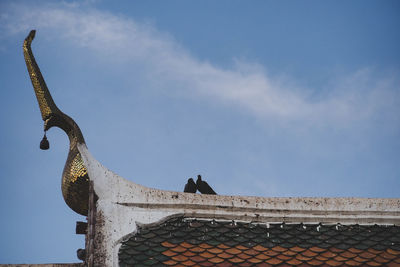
(81, 254)
(203, 186)
(190, 186)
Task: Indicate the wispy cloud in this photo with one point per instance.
(359, 96)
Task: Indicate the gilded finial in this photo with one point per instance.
(75, 179)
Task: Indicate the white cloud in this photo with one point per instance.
(246, 85)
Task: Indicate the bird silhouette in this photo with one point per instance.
(203, 186)
(190, 186)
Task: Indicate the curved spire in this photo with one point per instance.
(46, 103)
(51, 114)
(75, 179)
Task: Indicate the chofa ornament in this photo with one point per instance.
(75, 179)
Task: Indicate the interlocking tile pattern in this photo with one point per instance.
(193, 242)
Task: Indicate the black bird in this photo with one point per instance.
(190, 186)
(203, 186)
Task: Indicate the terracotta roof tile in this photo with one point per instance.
(170, 262)
(262, 256)
(197, 249)
(216, 260)
(215, 250)
(328, 254)
(294, 262)
(233, 251)
(321, 258)
(274, 261)
(315, 262)
(169, 253)
(188, 263)
(333, 263)
(188, 253)
(179, 249)
(251, 252)
(373, 263)
(179, 258)
(191, 242)
(207, 255)
(198, 258)
(244, 256)
(236, 260)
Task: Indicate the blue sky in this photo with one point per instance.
(265, 98)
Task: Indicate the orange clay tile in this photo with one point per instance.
(224, 264)
(289, 252)
(393, 252)
(245, 264)
(260, 248)
(216, 260)
(348, 254)
(321, 258)
(374, 251)
(328, 254)
(251, 252)
(186, 245)
(178, 249)
(197, 258)
(283, 257)
(270, 253)
(240, 247)
(263, 264)
(262, 256)
(179, 258)
(336, 250)
(233, 251)
(204, 245)
(207, 255)
(243, 256)
(225, 255)
(388, 255)
(206, 263)
(197, 249)
(381, 260)
(168, 245)
(373, 263)
(359, 259)
(355, 250)
(169, 253)
(254, 260)
(189, 263)
(340, 258)
(294, 262)
(315, 262)
(274, 261)
(279, 249)
(302, 258)
(189, 254)
(316, 249)
(236, 260)
(297, 249)
(333, 263)
(214, 250)
(367, 255)
(352, 263)
(170, 262)
(222, 246)
(309, 253)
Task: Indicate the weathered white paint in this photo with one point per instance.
(122, 205)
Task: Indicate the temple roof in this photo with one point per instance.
(194, 242)
(139, 226)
